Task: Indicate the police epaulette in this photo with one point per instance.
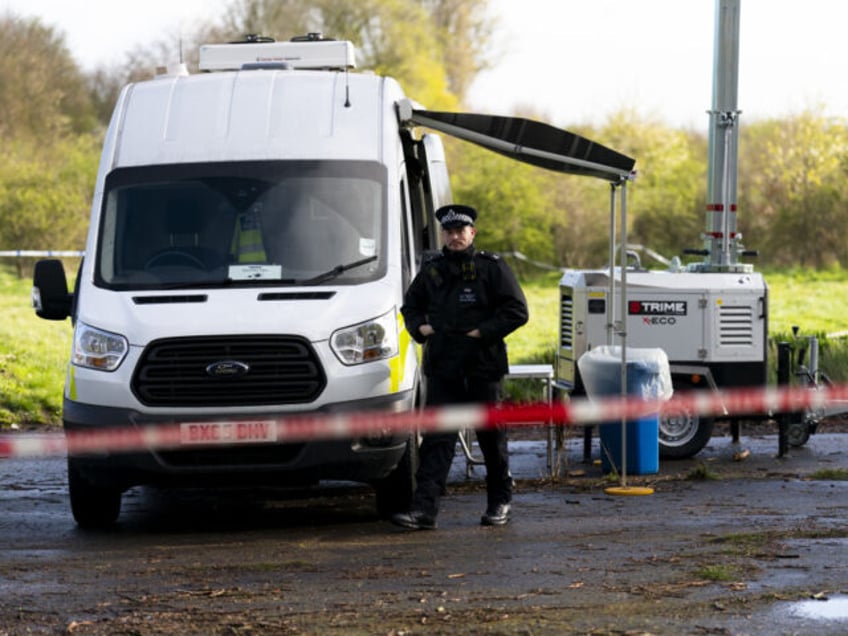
(490, 255)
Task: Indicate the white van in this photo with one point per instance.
(252, 233)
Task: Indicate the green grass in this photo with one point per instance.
(718, 573)
(536, 341)
(33, 355)
(815, 301)
(830, 474)
(33, 352)
(702, 473)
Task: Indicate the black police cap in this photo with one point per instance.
(456, 215)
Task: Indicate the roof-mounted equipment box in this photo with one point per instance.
(322, 54)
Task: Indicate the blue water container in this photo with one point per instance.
(643, 446)
(648, 377)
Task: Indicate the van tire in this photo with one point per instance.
(394, 492)
(94, 507)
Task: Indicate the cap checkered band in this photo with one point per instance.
(453, 217)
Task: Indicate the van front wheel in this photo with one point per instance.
(394, 492)
(94, 507)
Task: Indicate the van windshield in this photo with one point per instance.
(242, 223)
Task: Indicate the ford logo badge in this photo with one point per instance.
(227, 369)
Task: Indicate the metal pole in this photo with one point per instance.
(624, 489)
(784, 356)
(813, 344)
(623, 329)
(611, 301)
(721, 238)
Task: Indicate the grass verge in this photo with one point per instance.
(33, 356)
(34, 352)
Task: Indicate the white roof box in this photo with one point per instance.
(321, 54)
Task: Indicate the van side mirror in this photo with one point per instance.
(50, 296)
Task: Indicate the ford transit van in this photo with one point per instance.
(253, 229)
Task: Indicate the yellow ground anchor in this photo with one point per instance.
(623, 489)
(629, 490)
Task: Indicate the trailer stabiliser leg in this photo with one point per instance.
(784, 354)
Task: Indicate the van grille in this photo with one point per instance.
(736, 326)
(279, 370)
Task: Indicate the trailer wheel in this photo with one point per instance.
(798, 433)
(683, 434)
(94, 507)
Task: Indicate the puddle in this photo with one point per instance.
(834, 608)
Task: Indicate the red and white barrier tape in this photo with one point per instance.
(20, 253)
(299, 428)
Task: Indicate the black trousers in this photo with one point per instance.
(438, 449)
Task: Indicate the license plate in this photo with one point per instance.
(192, 433)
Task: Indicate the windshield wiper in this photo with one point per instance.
(337, 270)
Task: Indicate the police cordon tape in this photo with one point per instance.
(305, 427)
(28, 253)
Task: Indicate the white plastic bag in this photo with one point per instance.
(648, 373)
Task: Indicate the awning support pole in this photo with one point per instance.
(622, 330)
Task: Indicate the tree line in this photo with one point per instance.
(792, 190)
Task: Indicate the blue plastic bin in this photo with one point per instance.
(643, 446)
(648, 377)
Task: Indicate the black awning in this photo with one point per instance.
(528, 141)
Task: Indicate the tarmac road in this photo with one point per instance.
(721, 547)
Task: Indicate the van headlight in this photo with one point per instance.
(97, 349)
(376, 339)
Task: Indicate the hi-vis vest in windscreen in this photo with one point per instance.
(246, 246)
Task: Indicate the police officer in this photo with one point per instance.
(460, 306)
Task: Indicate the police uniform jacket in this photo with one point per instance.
(456, 292)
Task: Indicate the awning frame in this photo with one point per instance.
(525, 140)
(583, 158)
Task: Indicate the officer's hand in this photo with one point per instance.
(474, 333)
(426, 330)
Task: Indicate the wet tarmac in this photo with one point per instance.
(825, 608)
(724, 545)
(754, 454)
